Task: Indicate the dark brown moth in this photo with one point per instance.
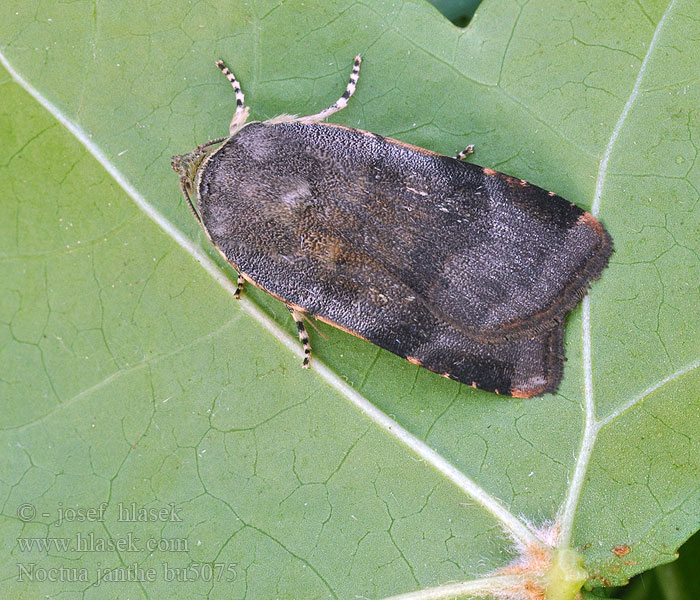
(457, 268)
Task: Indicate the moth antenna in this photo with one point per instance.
(240, 284)
(341, 102)
(183, 187)
(202, 147)
(464, 153)
(241, 113)
(303, 336)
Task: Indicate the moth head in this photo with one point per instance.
(187, 166)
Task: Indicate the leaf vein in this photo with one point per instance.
(592, 426)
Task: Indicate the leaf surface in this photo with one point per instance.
(129, 375)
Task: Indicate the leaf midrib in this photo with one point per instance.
(518, 528)
(592, 425)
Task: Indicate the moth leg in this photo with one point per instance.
(303, 336)
(466, 152)
(240, 284)
(341, 102)
(241, 113)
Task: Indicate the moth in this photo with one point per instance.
(457, 268)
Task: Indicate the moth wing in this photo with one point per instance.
(439, 261)
(522, 368)
(515, 265)
(391, 317)
(492, 255)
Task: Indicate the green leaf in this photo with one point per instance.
(678, 580)
(131, 381)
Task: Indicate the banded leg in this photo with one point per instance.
(303, 336)
(240, 283)
(341, 102)
(241, 113)
(466, 152)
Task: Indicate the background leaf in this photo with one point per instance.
(130, 376)
(673, 581)
(458, 11)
